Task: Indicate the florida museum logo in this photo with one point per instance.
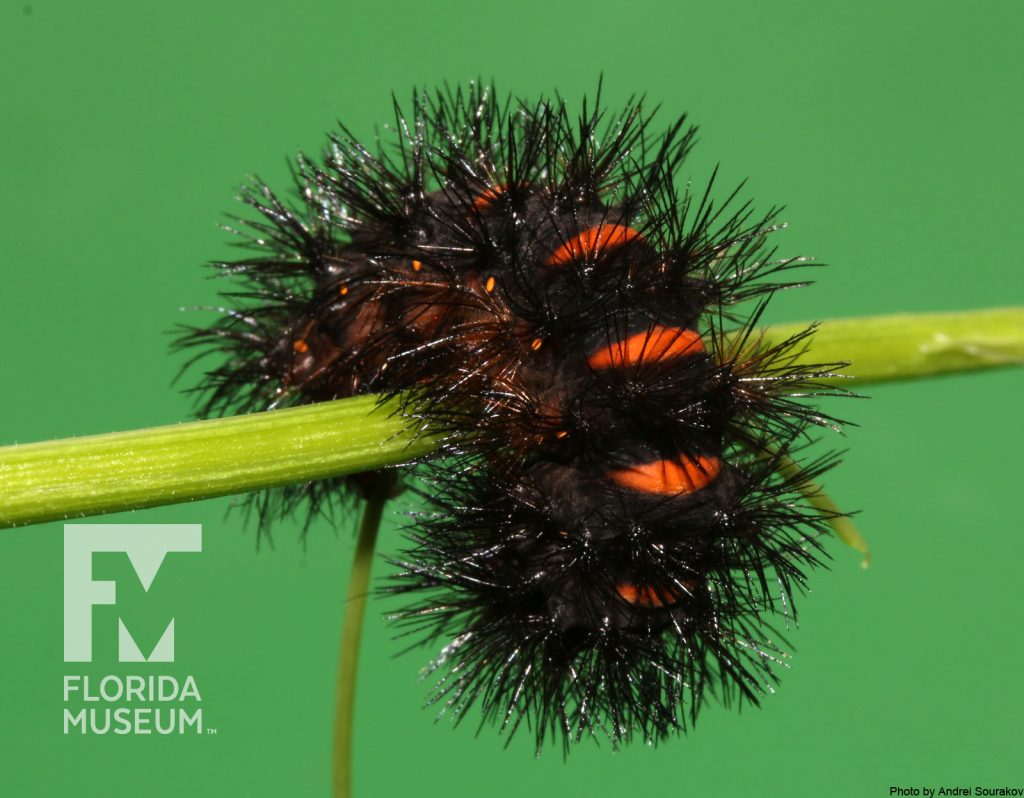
(155, 698)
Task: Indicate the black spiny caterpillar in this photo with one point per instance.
(608, 524)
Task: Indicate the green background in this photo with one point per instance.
(891, 130)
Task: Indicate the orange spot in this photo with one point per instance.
(416, 265)
(646, 595)
(668, 477)
(657, 343)
(343, 290)
(536, 344)
(487, 198)
(561, 434)
(591, 242)
(300, 346)
(489, 285)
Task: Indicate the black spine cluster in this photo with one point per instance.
(616, 509)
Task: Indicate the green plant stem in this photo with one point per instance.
(910, 345)
(841, 524)
(348, 654)
(199, 460)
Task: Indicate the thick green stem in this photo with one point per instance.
(202, 459)
(165, 465)
(908, 345)
(348, 654)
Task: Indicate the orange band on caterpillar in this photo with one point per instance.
(485, 199)
(592, 242)
(646, 595)
(657, 343)
(669, 477)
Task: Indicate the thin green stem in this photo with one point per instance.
(841, 524)
(348, 653)
(184, 462)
